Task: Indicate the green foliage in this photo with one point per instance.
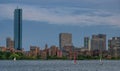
(38, 57)
(12, 56)
(20, 56)
(9, 55)
(4, 55)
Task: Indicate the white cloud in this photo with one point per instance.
(63, 15)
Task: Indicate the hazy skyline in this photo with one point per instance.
(43, 20)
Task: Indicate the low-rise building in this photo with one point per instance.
(59, 53)
(43, 55)
(2, 48)
(53, 50)
(34, 50)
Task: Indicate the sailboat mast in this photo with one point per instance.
(74, 57)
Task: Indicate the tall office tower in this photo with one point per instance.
(98, 42)
(114, 46)
(87, 42)
(18, 29)
(9, 43)
(65, 39)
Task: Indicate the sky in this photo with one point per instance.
(44, 20)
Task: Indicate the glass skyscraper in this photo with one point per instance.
(18, 29)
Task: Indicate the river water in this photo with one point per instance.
(59, 65)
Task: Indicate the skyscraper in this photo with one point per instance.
(65, 39)
(98, 42)
(87, 42)
(18, 29)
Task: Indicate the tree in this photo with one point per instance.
(12, 56)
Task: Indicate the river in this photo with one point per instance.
(59, 65)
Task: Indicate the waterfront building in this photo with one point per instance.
(2, 49)
(114, 46)
(98, 42)
(68, 48)
(34, 50)
(59, 53)
(46, 50)
(53, 50)
(65, 39)
(43, 55)
(18, 29)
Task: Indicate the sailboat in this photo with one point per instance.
(74, 58)
(101, 63)
(14, 59)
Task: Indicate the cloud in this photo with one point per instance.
(62, 15)
(96, 4)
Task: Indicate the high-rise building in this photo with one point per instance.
(98, 42)
(9, 43)
(65, 39)
(18, 29)
(87, 42)
(114, 46)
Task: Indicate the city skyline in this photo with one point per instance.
(44, 20)
(65, 39)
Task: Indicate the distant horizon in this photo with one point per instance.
(43, 20)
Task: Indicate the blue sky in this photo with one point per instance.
(43, 20)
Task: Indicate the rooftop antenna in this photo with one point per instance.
(18, 4)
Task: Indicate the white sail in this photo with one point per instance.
(101, 58)
(15, 59)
